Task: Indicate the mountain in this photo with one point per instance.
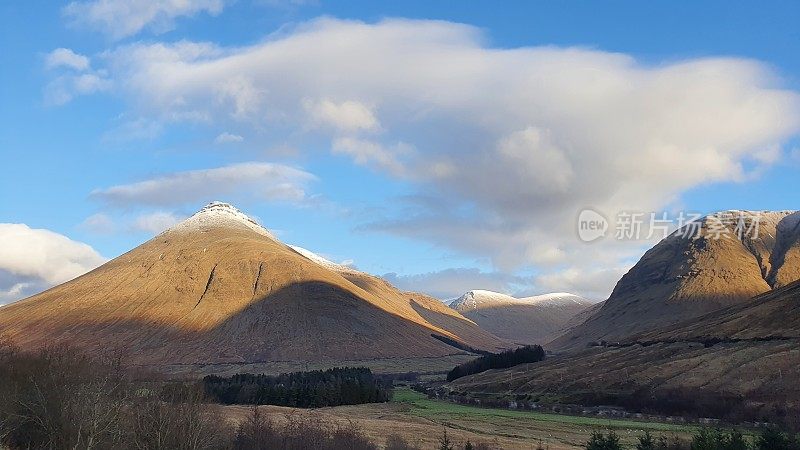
(741, 362)
(578, 319)
(220, 289)
(774, 315)
(530, 320)
(696, 270)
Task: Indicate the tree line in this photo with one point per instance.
(314, 389)
(704, 439)
(59, 398)
(508, 358)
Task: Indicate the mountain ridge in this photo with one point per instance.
(529, 320)
(684, 277)
(219, 288)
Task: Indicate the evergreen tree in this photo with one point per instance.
(736, 441)
(773, 439)
(600, 441)
(444, 441)
(508, 358)
(646, 442)
(704, 439)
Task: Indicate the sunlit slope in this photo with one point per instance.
(683, 278)
(218, 288)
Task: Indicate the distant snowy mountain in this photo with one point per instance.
(529, 320)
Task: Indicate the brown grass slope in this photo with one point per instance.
(743, 358)
(217, 290)
(772, 315)
(680, 279)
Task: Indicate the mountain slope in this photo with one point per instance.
(683, 278)
(743, 359)
(218, 288)
(772, 315)
(531, 320)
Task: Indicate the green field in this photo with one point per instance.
(421, 406)
(421, 421)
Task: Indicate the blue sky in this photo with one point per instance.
(446, 145)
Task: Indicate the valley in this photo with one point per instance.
(420, 421)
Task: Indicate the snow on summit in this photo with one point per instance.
(478, 298)
(219, 214)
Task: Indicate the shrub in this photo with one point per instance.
(258, 433)
(600, 441)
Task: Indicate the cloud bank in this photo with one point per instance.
(122, 18)
(34, 259)
(507, 144)
(259, 180)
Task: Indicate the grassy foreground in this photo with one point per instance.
(420, 421)
(436, 409)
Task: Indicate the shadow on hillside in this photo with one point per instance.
(303, 321)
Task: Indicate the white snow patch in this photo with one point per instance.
(219, 214)
(731, 218)
(328, 264)
(477, 299)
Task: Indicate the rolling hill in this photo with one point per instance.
(220, 289)
(740, 362)
(530, 320)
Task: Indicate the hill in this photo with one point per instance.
(741, 362)
(220, 289)
(530, 320)
(689, 274)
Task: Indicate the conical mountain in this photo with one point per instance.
(219, 288)
(530, 320)
(724, 259)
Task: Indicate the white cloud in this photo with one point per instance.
(123, 18)
(514, 142)
(64, 57)
(227, 138)
(34, 259)
(587, 280)
(99, 223)
(373, 154)
(260, 180)
(347, 116)
(80, 80)
(136, 129)
(64, 88)
(156, 222)
(13, 287)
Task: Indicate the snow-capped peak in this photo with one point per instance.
(219, 214)
(749, 222)
(478, 298)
